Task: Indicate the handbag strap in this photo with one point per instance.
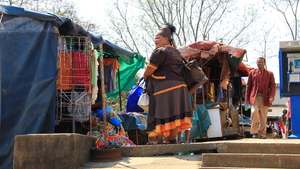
(184, 60)
(141, 81)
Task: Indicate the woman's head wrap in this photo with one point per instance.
(165, 32)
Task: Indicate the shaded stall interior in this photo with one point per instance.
(224, 68)
(70, 34)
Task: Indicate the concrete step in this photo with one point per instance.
(253, 153)
(251, 160)
(259, 147)
(267, 146)
(167, 149)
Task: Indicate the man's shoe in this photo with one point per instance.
(262, 137)
(254, 136)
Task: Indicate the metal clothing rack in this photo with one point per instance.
(73, 96)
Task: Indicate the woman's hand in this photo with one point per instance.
(271, 99)
(145, 77)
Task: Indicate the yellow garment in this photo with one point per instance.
(212, 92)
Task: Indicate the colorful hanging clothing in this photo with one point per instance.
(82, 107)
(64, 65)
(81, 70)
(111, 65)
(94, 76)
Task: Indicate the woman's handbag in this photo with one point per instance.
(193, 75)
(144, 100)
(134, 96)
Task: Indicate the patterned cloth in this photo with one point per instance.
(169, 105)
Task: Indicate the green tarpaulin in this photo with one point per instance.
(127, 74)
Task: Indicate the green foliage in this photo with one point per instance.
(114, 103)
(185, 153)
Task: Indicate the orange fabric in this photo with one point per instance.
(168, 46)
(64, 65)
(182, 125)
(152, 66)
(158, 77)
(115, 62)
(171, 88)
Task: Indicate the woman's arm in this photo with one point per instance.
(149, 71)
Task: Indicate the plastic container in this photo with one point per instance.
(248, 107)
(111, 119)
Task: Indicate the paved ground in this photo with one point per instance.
(175, 161)
(162, 162)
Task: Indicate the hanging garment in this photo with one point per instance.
(237, 86)
(94, 76)
(64, 66)
(220, 95)
(201, 125)
(81, 70)
(114, 62)
(110, 67)
(109, 78)
(212, 92)
(82, 106)
(127, 75)
(94, 65)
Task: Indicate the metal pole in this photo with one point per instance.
(242, 112)
(73, 89)
(119, 83)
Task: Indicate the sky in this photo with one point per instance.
(94, 11)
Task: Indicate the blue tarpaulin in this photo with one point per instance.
(28, 52)
(28, 80)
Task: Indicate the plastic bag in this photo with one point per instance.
(134, 96)
(144, 100)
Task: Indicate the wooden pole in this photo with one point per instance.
(103, 95)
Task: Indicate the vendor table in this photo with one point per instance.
(133, 123)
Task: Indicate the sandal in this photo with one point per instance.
(171, 141)
(155, 142)
(186, 142)
(160, 141)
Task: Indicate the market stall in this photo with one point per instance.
(39, 46)
(224, 68)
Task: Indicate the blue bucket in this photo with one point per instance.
(114, 121)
